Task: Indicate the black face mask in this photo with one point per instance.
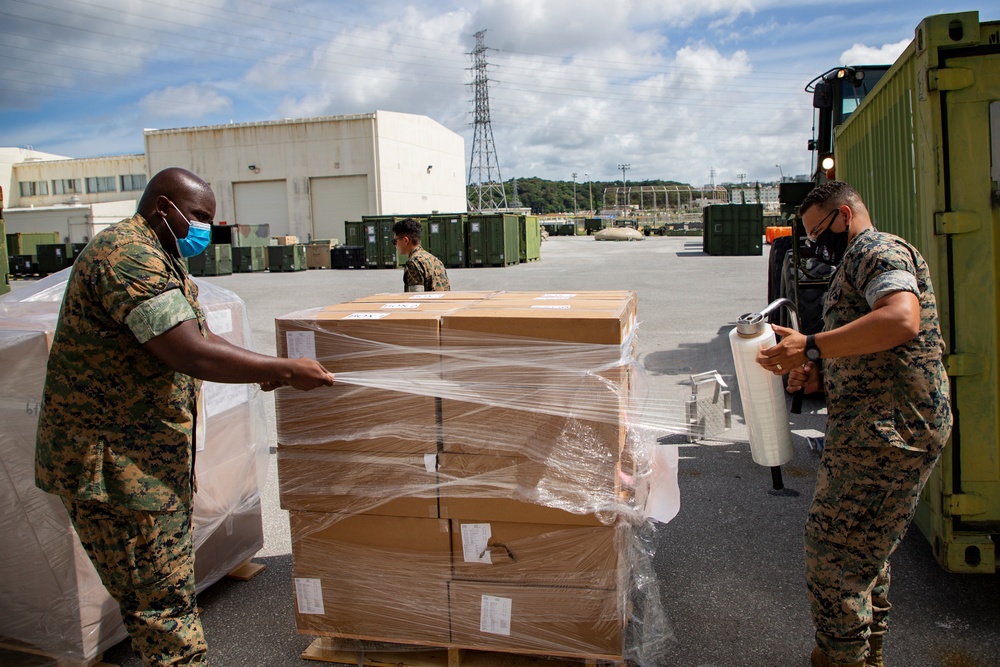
(830, 245)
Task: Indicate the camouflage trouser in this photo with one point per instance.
(146, 561)
(865, 499)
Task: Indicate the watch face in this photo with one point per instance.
(812, 354)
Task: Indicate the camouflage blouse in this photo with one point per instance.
(423, 268)
(117, 425)
(898, 397)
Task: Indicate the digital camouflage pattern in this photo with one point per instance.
(423, 268)
(145, 560)
(116, 423)
(888, 418)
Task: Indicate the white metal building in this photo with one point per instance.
(302, 177)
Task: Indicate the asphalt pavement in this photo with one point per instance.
(730, 565)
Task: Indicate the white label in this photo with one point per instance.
(400, 305)
(475, 542)
(220, 397)
(474, 227)
(566, 307)
(494, 615)
(309, 596)
(301, 344)
(220, 321)
(366, 316)
(431, 463)
(551, 297)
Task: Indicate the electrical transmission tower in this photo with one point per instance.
(484, 168)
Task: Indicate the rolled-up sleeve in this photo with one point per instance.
(158, 315)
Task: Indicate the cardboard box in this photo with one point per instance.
(540, 387)
(285, 240)
(372, 577)
(389, 342)
(538, 554)
(318, 256)
(572, 622)
(351, 482)
(513, 489)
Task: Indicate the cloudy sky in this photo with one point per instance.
(674, 88)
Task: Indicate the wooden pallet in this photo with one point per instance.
(246, 571)
(374, 654)
(14, 652)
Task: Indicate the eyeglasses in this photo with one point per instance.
(396, 238)
(832, 216)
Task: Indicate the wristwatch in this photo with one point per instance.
(812, 352)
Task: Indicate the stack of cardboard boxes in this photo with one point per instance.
(465, 481)
(53, 599)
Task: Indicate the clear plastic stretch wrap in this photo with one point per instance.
(479, 476)
(51, 598)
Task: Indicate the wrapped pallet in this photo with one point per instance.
(474, 480)
(53, 601)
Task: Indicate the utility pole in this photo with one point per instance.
(590, 186)
(624, 168)
(780, 172)
(484, 167)
(575, 206)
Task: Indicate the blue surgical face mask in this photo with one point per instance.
(198, 237)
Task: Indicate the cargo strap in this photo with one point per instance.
(964, 504)
(956, 222)
(959, 365)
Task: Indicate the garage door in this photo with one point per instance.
(334, 200)
(263, 203)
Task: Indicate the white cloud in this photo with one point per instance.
(859, 54)
(192, 101)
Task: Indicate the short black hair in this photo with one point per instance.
(835, 193)
(408, 227)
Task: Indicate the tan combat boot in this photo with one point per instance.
(874, 658)
(819, 659)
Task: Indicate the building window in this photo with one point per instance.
(100, 184)
(33, 188)
(132, 182)
(65, 186)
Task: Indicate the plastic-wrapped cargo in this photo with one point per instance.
(51, 598)
(477, 477)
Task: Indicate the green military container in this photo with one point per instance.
(529, 234)
(216, 260)
(4, 262)
(380, 252)
(733, 229)
(26, 243)
(591, 225)
(566, 228)
(492, 239)
(444, 237)
(354, 233)
(287, 258)
(549, 226)
(248, 259)
(242, 236)
(52, 257)
(923, 151)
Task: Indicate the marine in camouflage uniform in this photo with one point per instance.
(115, 433)
(889, 417)
(423, 268)
(116, 429)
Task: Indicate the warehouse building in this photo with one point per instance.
(303, 177)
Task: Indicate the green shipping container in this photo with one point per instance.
(26, 243)
(529, 238)
(242, 236)
(53, 257)
(380, 252)
(248, 259)
(733, 229)
(923, 150)
(444, 237)
(287, 258)
(492, 239)
(217, 260)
